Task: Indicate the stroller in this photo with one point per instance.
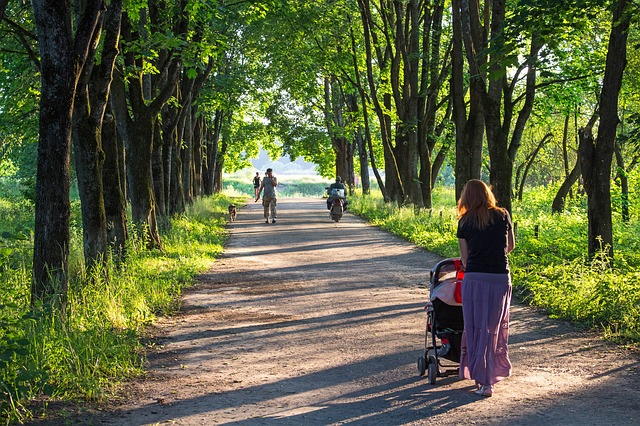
(444, 321)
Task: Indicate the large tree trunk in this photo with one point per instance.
(217, 174)
(136, 121)
(89, 109)
(497, 94)
(405, 75)
(367, 129)
(140, 178)
(469, 128)
(62, 59)
(113, 188)
(596, 158)
(431, 81)
(393, 186)
(334, 102)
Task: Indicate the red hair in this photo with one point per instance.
(477, 204)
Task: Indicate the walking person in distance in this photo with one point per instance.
(256, 184)
(485, 237)
(269, 184)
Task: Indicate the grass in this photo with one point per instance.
(550, 269)
(98, 344)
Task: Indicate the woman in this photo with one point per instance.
(256, 184)
(485, 237)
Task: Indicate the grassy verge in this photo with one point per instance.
(97, 344)
(549, 265)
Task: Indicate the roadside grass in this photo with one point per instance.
(549, 265)
(98, 343)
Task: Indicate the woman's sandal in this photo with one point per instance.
(485, 391)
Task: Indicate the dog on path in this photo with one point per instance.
(233, 212)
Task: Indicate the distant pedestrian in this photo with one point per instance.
(269, 184)
(256, 184)
(485, 237)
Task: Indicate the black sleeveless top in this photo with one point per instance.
(487, 247)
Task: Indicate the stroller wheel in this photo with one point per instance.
(432, 370)
(422, 366)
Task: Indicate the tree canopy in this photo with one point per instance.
(163, 96)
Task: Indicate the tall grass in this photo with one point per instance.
(550, 266)
(97, 343)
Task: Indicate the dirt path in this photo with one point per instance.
(310, 322)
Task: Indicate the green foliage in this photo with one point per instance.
(550, 268)
(98, 343)
(433, 229)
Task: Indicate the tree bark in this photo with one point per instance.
(557, 206)
(394, 188)
(559, 201)
(596, 158)
(62, 59)
(469, 127)
(137, 120)
(158, 171)
(113, 188)
(621, 174)
(367, 129)
(89, 109)
(198, 132)
(186, 155)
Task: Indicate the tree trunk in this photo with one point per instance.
(208, 165)
(186, 155)
(219, 157)
(563, 192)
(213, 149)
(62, 59)
(89, 109)
(440, 157)
(136, 121)
(113, 188)
(158, 171)
(596, 158)
(352, 102)
(367, 129)
(469, 129)
(198, 132)
(559, 201)
(140, 178)
(529, 161)
(393, 185)
(624, 184)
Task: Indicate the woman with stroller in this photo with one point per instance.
(485, 236)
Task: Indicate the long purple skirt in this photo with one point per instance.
(485, 307)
